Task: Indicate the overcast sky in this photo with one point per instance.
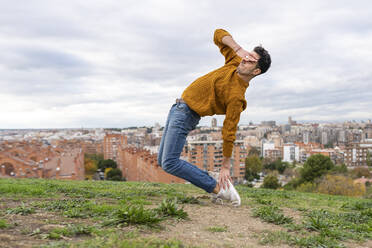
(123, 63)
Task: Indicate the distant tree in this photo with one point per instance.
(339, 169)
(90, 166)
(278, 165)
(94, 156)
(315, 166)
(369, 159)
(254, 151)
(360, 172)
(268, 164)
(294, 163)
(92, 162)
(271, 182)
(328, 145)
(253, 166)
(107, 163)
(114, 175)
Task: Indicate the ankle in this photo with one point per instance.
(216, 189)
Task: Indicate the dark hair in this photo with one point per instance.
(265, 60)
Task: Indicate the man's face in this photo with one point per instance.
(248, 65)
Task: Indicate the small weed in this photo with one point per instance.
(263, 201)
(169, 207)
(217, 229)
(75, 213)
(134, 215)
(275, 238)
(315, 241)
(272, 214)
(359, 205)
(70, 231)
(301, 209)
(35, 232)
(184, 199)
(317, 223)
(3, 224)
(51, 235)
(26, 230)
(22, 210)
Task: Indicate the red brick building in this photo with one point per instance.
(38, 160)
(140, 165)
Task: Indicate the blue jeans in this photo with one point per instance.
(181, 120)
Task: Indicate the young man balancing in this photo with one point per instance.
(219, 92)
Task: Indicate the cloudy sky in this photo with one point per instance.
(122, 63)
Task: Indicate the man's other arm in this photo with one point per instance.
(229, 48)
(229, 129)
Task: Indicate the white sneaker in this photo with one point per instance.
(230, 194)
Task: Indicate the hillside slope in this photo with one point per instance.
(51, 213)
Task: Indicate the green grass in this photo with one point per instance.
(22, 210)
(271, 214)
(104, 214)
(330, 220)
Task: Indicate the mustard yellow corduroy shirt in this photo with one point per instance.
(220, 92)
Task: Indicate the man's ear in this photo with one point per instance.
(257, 71)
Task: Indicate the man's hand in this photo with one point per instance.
(224, 173)
(229, 41)
(247, 56)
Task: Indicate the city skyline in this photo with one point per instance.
(114, 65)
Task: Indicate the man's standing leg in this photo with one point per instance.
(181, 120)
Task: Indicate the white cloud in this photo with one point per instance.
(116, 64)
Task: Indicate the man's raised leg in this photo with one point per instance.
(181, 122)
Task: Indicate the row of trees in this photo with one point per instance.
(318, 174)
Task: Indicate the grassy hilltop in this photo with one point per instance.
(51, 213)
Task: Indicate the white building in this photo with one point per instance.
(267, 145)
(291, 152)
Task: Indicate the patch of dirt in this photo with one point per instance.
(242, 230)
(367, 244)
(20, 234)
(297, 217)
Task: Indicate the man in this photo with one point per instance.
(220, 92)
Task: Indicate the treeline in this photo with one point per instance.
(318, 175)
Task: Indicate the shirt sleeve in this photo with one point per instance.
(230, 125)
(226, 51)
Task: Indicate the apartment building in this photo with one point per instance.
(207, 155)
(358, 153)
